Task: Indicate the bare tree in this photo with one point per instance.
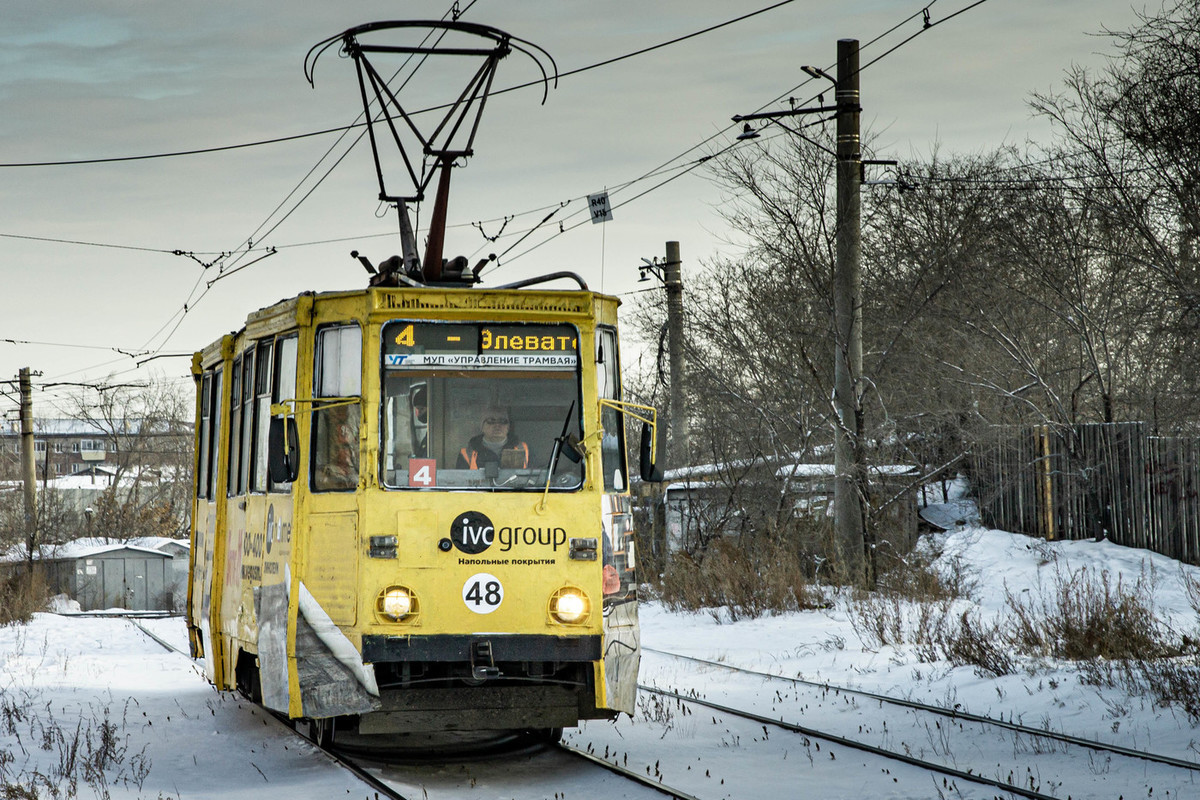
(1131, 130)
(147, 432)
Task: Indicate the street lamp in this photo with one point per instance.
(652, 267)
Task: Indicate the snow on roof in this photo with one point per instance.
(827, 470)
(159, 542)
(76, 427)
(951, 516)
(56, 427)
(702, 470)
(794, 470)
(80, 548)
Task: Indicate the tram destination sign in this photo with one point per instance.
(436, 345)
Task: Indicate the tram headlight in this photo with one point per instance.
(396, 603)
(569, 606)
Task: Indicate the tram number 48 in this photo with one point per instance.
(483, 593)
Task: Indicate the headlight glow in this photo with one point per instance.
(569, 605)
(396, 603)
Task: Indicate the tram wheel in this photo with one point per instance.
(548, 735)
(320, 731)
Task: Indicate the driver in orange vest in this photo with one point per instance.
(497, 443)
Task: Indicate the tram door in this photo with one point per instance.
(332, 537)
(622, 653)
(204, 549)
(270, 510)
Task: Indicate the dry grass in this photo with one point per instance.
(740, 580)
(912, 602)
(86, 759)
(1089, 615)
(1170, 676)
(968, 641)
(21, 595)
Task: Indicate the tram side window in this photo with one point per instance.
(337, 408)
(247, 423)
(235, 417)
(284, 384)
(205, 435)
(262, 415)
(608, 382)
(214, 437)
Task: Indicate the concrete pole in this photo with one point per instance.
(28, 463)
(678, 449)
(848, 512)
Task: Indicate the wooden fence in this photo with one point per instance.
(1090, 481)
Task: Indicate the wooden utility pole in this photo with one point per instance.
(28, 464)
(678, 450)
(847, 293)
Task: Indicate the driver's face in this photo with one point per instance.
(420, 411)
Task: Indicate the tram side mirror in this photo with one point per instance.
(283, 466)
(649, 470)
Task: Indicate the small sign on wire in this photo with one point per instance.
(598, 205)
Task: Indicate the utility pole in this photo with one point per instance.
(849, 500)
(28, 465)
(678, 450)
(847, 294)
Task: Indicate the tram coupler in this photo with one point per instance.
(483, 666)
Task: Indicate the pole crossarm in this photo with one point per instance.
(794, 112)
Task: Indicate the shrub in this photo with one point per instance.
(971, 642)
(911, 602)
(21, 594)
(736, 579)
(1086, 615)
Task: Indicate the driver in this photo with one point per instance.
(497, 443)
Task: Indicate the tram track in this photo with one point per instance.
(953, 714)
(813, 733)
(349, 759)
(380, 787)
(625, 772)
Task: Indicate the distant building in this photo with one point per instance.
(65, 447)
(698, 504)
(147, 574)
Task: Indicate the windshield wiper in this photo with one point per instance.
(559, 443)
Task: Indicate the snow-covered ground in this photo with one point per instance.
(62, 679)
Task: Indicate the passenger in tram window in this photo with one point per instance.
(337, 448)
(420, 408)
(496, 444)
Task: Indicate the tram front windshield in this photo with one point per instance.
(480, 406)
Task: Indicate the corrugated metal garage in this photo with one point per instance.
(101, 575)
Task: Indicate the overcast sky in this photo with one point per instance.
(117, 78)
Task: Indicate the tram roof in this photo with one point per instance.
(433, 302)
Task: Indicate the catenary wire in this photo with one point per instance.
(706, 141)
(927, 26)
(344, 129)
(234, 267)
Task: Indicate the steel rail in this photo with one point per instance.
(970, 777)
(1066, 738)
(358, 772)
(628, 773)
(162, 642)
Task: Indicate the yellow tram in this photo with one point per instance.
(412, 510)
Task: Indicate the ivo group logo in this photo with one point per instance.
(472, 533)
